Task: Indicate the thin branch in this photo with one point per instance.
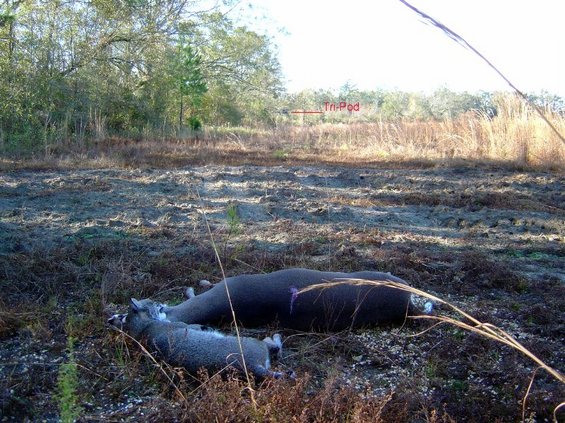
(487, 330)
(557, 409)
(461, 41)
(236, 326)
(528, 393)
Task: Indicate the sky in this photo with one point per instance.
(382, 44)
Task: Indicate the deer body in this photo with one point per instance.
(260, 299)
(195, 346)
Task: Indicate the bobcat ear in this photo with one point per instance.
(136, 305)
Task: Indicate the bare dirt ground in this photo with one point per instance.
(76, 245)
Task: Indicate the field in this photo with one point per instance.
(77, 241)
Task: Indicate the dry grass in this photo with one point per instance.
(516, 137)
(230, 401)
(485, 329)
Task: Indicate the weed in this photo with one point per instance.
(459, 335)
(459, 385)
(237, 251)
(515, 306)
(431, 370)
(67, 385)
(52, 304)
(514, 253)
(234, 223)
(279, 154)
(539, 256)
(121, 354)
(80, 324)
(522, 286)
(234, 229)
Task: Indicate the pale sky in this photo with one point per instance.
(383, 44)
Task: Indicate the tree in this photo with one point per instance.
(241, 68)
(418, 107)
(192, 85)
(446, 104)
(394, 105)
(87, 69)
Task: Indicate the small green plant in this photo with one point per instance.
(522, 286)
(458, 334)
(234, 223)
(515, 306)
(431, 370)
(539, 256)
(279, 154)
(460, 385)
(515, 253)
(194, 123)
(237, 251)
(67, 385)
(80, 323)
(121, 355)
(73, 327)
(234, 229)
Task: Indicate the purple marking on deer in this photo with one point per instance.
(294, 291)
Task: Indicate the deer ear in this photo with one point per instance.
(136, 304)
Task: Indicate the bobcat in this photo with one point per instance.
(195, 346)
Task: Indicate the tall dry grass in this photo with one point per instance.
(517, 135)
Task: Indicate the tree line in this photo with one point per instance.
(81, 70)
(91, 69)
(390, 105)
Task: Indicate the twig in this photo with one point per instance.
(487, 330)
(461, 41)
(236, 326)
(555, 411)
(528, 393)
